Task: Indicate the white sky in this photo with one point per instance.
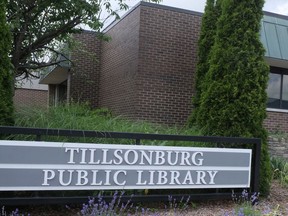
(275, 6)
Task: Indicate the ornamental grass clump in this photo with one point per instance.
(280, 170)
(77, 116)
(245, 204)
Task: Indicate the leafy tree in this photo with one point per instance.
(234, 103)
(205, 43)
(6, 81)
(37, 27)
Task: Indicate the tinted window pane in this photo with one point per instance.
(273, 90)
(285, 92)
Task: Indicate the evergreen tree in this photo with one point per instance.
(205, 43)
(234, 104)
(6, 80)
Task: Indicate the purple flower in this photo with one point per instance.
(82, 212)
(255, 199)
(91, 201)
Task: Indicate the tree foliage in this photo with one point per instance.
(38, 25)
(205, 43)
(6, 103)
(234, 101)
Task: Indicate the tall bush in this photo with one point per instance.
(205, 43)
(6, 80)
(234, 103)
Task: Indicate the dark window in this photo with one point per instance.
(278, 88)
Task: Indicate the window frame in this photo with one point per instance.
(281, 72)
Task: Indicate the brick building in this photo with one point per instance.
(28, 93)
(146, 71)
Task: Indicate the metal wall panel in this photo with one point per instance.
(272, 40)
(274, 36)
(282, 33)
(264, 39)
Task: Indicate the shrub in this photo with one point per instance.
(205, 43)
(234, 102)
(280, 170)
(6, 79)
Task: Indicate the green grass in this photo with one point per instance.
(280, 170)
(80, 117)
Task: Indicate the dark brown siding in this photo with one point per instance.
(86, 68)
(119, 66)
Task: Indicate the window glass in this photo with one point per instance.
(285, 92)
(273, 91)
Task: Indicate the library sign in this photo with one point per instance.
(29, 165)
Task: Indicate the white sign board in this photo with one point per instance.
(29, 165)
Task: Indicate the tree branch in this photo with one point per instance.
(48, 37)
(57, 52)
(33, 65)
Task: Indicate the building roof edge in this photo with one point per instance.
(165, 7)
(275, 15)
(154, 5)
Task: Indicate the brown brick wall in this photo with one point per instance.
(148, 67)
(30, 97)
(86, 68)
(276, 122)
(119, 66)
(167, 61)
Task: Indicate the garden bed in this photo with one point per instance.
(276, 202)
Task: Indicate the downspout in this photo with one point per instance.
(68, 86)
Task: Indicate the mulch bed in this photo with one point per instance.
(278, 199)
